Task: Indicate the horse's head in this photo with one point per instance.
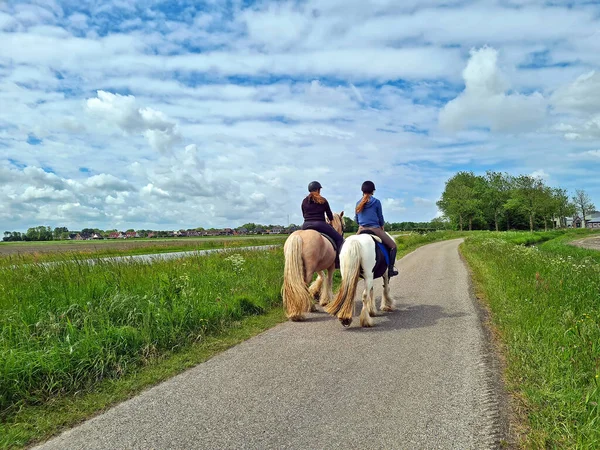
(338, 222)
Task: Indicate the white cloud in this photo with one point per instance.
(540, 173)
(583, 95)
(123, 111)
(276, 94)
(486, 103)
(393, 205)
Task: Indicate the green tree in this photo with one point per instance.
(462, 199)
(564, 207)
(496, 194)
(350, 226)
(528, 196)
(60, 233)
(584, 204)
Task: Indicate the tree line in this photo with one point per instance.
(502, 201)
(46, 233)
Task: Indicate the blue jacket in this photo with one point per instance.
(371, 215)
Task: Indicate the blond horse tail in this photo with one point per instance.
(343, 303)
(296, 298)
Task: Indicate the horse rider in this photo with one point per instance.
(369, 216)
(314, 209)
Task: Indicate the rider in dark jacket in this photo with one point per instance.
(314, 209)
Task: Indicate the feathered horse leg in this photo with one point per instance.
(296, 298)
(342, 305)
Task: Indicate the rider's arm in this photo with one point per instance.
(328, 211)
(380, 215)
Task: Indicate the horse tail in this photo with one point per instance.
(296, 298)
(343, 304)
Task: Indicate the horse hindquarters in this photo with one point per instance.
(295, 295)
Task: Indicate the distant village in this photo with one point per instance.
(242, 231)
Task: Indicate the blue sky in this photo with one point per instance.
(170, 115)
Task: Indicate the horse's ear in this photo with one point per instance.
(342, 214)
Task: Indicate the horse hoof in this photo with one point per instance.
(346, 322)
(297, 318)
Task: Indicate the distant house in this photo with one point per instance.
(293, 228)
(151, 234)
(593, 220)
(97, 236)
(276, 230)
(131, 234)
(593, 224)
(240, 231)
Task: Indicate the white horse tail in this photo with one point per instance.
(343, 304)
(296, 298)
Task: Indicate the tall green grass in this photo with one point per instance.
(66, 327)
(545, 302)
(409, 242)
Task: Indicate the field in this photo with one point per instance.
(545, 305)
(27, 252)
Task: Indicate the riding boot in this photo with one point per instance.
(337, 260)
(391, 270)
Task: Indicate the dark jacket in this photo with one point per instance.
(315, 212)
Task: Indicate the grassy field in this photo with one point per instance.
(12, 253)
(76, 338)
(67, 328)
(545, 304)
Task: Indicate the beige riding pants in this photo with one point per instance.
(379, 232)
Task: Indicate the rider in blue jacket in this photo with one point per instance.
(369, 216)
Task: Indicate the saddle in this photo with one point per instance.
(382, 254)
(330, 240)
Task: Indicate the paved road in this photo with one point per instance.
(423, 378)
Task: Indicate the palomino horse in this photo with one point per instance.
(358, 259)
(307, 252)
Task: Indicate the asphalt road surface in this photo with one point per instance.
(425, 377)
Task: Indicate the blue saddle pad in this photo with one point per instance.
(385, 252)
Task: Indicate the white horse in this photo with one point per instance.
(358, 260)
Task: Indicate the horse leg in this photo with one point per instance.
(372, 305)
(387, 304)
(308, 275)
(365, 318)
(316, 286)
(327, 289)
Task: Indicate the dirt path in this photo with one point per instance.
(424, 377)
(592, 243)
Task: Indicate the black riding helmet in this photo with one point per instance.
(368, 187)
(314, 186)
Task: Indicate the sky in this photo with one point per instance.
(183, 114)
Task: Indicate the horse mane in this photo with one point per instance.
(337, 222)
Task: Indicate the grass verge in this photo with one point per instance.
(72, 328)
(545, 303)
(35, 423)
